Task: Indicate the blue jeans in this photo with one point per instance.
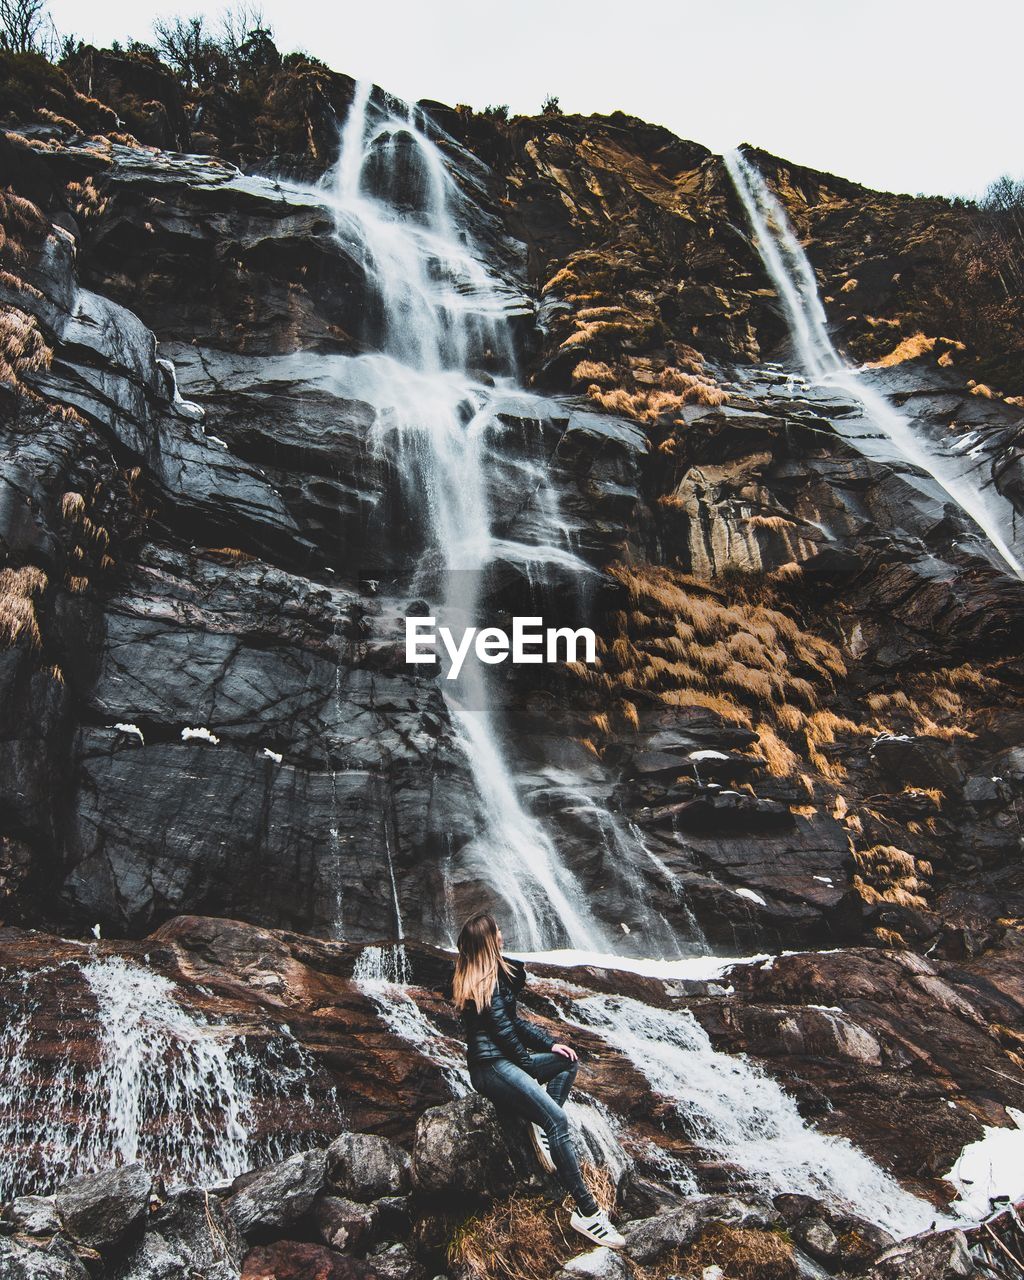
(509, 1086)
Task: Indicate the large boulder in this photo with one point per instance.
(651, 1239)
(460, 1150)
(932, 1256)
(279, 1194)
(101, 1210)
(366, 1167)
(344, 1224)
(34, 1215)
(190, 1234)
(396, 1262)
(841, 1241)
(53, 1261)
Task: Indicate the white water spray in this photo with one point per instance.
(742, 1116)
(381, 974)
(443, 316)
(797, 288)
(157, 1082)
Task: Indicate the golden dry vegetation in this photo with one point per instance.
(19, 591)
(688, 643)
(523, 1237)
(23, 349)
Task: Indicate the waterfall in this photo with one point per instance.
(381, 974)
(154, 1082)
(740, 1115)
(437, 319)
(793, 276)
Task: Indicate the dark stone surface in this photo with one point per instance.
(460, 1151)
(101, 1210)
(366, 1167)
(279, 1194)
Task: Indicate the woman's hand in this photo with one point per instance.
(566, 1052)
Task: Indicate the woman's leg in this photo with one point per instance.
(556, 1073)
(509, 1086)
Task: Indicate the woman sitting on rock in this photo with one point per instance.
(510, 1058)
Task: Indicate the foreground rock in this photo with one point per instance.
(460, 1152)
(299, 1228)
(941, 1257)
(277, 1196)
(101, 1210)
(367, 1167)
(652, 1239)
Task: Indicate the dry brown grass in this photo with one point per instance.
(233, 555)
(689, 643)
(908, 349)
(86, 200)
(890, 938)
(524, 1237)
(889, 874)
(742, 1252)
(19, 589)
(676, 389)
(934, 704)
(23, 349)
(779, 758)
(593, 371)
(23, 227)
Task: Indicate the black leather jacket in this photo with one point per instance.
(499, 1032)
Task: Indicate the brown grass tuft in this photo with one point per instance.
(522, 1238)
(742, 1252)
(18, 590)
(695, 644)
(889, 874)
(23, 349)
(781, 761)
(593, 371)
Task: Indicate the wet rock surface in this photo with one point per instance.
(245, 561)
(192, 1232)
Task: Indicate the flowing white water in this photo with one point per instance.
(742, 1116)
(797, 288)
(381, 974)
(441, 316)
(156, 1082)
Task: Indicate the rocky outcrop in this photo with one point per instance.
(195, 1231)
(240, 562)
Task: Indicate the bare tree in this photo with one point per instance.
(24, 25)
(237, 25)
(187, 46)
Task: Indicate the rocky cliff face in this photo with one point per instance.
(804, 728)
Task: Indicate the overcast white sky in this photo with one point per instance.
(909, 95)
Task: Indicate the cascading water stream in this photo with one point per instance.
(793, 276)
(158, 1082)
(442, 316)
(742, 1116)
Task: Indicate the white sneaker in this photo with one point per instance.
(542, 1147)
(598, 1229)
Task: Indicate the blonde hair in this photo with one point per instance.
(479, 962)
